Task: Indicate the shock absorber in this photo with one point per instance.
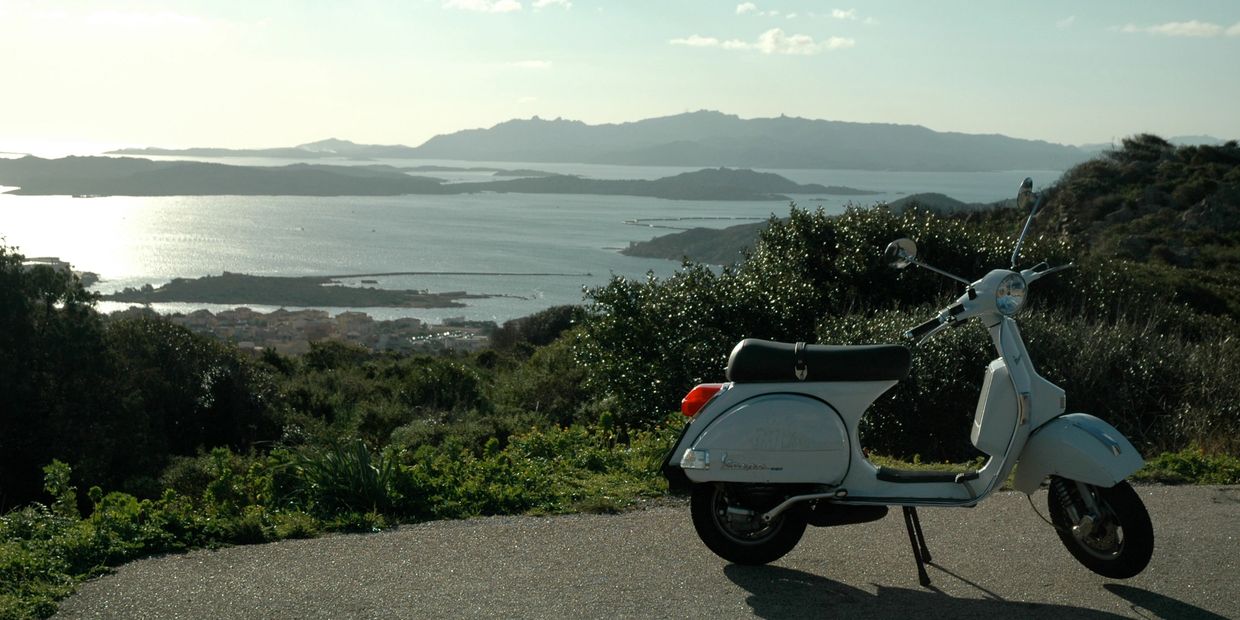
(1063, 492)
(1081, 520)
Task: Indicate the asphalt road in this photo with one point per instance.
(994, 561)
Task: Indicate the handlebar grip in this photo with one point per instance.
(917, 333)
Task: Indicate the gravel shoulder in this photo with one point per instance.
(996, 560)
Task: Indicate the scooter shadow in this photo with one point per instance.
(1159, 605)
(777, 592)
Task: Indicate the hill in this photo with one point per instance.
(709, 138)
(329, 148)
(1153, 201)
(120, 176)
(714, 184)
(701, 139)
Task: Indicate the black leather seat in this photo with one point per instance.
(754, 360)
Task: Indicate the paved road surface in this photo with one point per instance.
(994, 561)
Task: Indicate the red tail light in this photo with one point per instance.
(698, 397)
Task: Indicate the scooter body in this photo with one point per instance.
(777, 445)
(806, 432)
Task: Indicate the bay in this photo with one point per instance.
(568, 241)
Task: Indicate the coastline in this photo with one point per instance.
(292, 331)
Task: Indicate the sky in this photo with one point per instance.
(79, 76)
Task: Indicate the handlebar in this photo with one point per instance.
(946, 318)
(923, 330)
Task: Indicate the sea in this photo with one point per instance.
(531, 251)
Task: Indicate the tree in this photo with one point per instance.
(53, 372)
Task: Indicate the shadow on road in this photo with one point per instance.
(1160, 606)
(777, 592)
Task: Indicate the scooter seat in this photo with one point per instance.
(754, 361)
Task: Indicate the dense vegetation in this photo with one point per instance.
(179, 441)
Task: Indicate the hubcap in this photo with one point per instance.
(739, 523)
(1099, 534)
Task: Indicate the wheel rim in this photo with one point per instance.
(1105, 537)
(744, 531)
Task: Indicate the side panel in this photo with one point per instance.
(996, 412)
(1077, 446)
(776, 438)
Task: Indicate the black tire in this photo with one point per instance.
(739, 540)
(1120, 543)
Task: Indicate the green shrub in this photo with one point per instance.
(294, 524)
(346, 478)
(646, 343)
(1193, 466)
(550, 384)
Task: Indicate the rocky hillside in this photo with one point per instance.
(1152, 201)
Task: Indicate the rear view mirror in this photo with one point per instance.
(1025, 200)
(902, 252)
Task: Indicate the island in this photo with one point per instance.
(303, 291)
(713, 246)
(128, 176)
(495, 172)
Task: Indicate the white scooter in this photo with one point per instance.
(776, 448)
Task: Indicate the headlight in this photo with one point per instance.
(1010, 295)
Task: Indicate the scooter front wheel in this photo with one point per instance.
(1107, 530)
(727, 518)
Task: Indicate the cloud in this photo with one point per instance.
(842, 14)
(773, 41)
(1066, 22)
(525, 100)
(531, 64)
(137, 19)
(749, 8)
(694, 40)
(484, 6)
(542, 4)
(1192, 28)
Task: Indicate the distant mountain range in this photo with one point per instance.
(700, 139)
(126, 176)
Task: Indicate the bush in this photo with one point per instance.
(1191, 465)
(346, 478)
(647, 343)
(550, 384)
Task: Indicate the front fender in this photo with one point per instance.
(1077, 446)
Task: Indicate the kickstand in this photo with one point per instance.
(918, 540)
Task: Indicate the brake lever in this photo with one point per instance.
(1030, 275)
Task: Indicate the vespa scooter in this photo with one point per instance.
(776, 447)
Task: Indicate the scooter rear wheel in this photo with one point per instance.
(1117, 542)
(727, 519)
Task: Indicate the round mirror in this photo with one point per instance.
(1024, 197)
(902, 252)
